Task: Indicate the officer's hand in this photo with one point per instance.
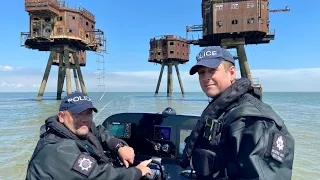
(126, 154)
(143, 166)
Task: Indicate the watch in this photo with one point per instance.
(118, 146)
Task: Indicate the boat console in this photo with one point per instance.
(160, 137)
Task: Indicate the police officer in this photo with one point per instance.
(69, 149)
(237, 136)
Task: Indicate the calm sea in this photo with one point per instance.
(21, 117)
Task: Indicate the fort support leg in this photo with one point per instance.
(76, 79)
(243, 62)
(179, 79)
(159, 80)
(61, 75)
(76, 61)
(67, 63)
(45, 77)
(169, 83)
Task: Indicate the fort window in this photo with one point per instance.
(73, 17)
(250, 4)
(87, 23)
(235, 21)
(171, 43)
(59, 18)
(69, 30)
(235, 6)
(219, 7)
(219, 23)
(36, 19)
(48, 30)
(261, 21)
(159, 53)
(87, 35)
(92, 26)
(59, 30)
(171, 52)
(47, 19)
(250, 20)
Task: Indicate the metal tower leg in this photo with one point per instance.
(159, 80)
(45, 77)
(179, 79)
(61, 76)
(243, 62)
(76, 79)
(76, 61)
(169, 83)
(67, 63)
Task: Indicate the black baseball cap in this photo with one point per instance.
(211, 57)
(76, 103)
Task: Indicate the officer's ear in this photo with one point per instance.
(233, 73)
(61, 116)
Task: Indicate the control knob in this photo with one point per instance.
(166, 148)
(157, 146)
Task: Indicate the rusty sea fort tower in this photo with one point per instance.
(232, 25)
(169, 50)
(67, 34)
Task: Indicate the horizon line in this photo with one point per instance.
(158, 92)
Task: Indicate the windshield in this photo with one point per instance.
(113, 103)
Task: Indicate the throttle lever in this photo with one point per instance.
(153, 161)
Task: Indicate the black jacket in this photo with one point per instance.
(59, 154)
(253, 142)
(256, 143)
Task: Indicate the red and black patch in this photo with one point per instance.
(84, 164)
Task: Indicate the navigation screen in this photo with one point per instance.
(162, 132)
(184, 133)
(117, 129)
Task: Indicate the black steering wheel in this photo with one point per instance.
(157, 172)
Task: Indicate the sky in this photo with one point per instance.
(288, 63)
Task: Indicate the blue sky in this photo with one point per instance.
(289, 63)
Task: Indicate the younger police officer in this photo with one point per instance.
(69, 149)
(237, 136)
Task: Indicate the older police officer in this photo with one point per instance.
(237, 136)
(71, 147)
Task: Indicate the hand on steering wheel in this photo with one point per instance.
(143, 166)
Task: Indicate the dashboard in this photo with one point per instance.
(155, 135)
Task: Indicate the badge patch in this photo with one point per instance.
(278, 147)
(84, 164)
